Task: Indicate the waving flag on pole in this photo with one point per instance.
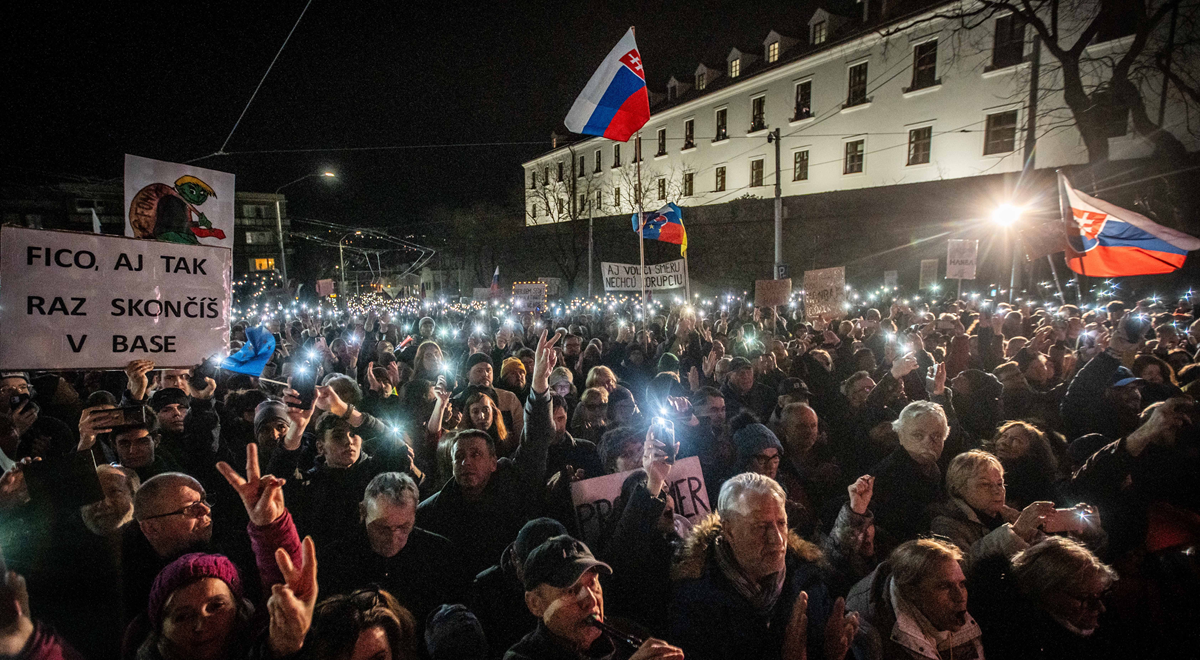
(1108, 241)
(494, 292)
(614, 103)
(666, 225)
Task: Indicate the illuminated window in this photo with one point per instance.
(722, 125)
(662, 188)
(773, 51)
(689, 183)
(920, 141)
(720, 179)
(819, 31)
(689, 134)
(262, 263)
(735, 67)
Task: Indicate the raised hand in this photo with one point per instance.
(904, 366)
(94, 421)
(205, 393)
(262, 496)
(543, 362)
(860, 494)
(13, 490)
(1032, 517)
(840, 629)
(291, 604)
(795, 638)
(136, 376)
(656, 463)
(935, 381)
(693, 379)
(372, 382)
(327, 399)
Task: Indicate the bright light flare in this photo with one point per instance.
(1006, 215)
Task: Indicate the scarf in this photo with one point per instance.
(914, 632)
(761, 595)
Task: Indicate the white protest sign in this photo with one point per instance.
(658, 277)
(528, 296)
(961, 256)
(88, 301)
(824, 292)
(929, 273)
(178, 203)
(593, 498)
(554, 286)
(891, 278)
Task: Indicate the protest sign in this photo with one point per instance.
(324, 288)
(178, 203)
(929, 273)
(528, 296)
(554, 286)
(88, 301)
(891, 279)
(593, 498)
(961, 256)
(824, 292)
(658, 277)
(772, 293)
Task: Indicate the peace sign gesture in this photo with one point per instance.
(262, 496)
(291, 604)
(543, 362)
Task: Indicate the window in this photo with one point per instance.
(582, 202)
(854, 157)
(260, 237)
(662, 188)
(560, 171)
(773, 52)
(533, 179)
(616, 155)
(533, 211)
(1000, 136)
(689, 184)
(546, 175)
(757, 113)
(857, 93)
(735, 68)
(689, 134)
(803, 101)
(800, 166)
(722, 128)
(819, 31)
(253, 211)
(617, 197)
(924, 65)
(1009, 46)
(701, 79)
(756, 172)
(720, 185)
(919, 142)
(599, 200)
(559, 204)
(596, 170)
(262, 263)
(582, 166)
(662, 142)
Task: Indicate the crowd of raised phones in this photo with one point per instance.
(958, 480)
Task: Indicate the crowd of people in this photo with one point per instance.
(956, 479)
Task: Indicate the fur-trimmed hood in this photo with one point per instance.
(698, 547)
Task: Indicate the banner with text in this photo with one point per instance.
(772, 293)
(659, 277)
(88, 301)
(824, 292)
(528, 296)
(929, 273)
(891, 279)
(178, 203)
(593, 498)
(961, 257)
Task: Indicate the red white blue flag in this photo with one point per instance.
(666, 225)
(614, 104)
(1108, 241)
(494, 292)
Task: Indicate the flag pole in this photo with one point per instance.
(1064, 208)
(637, 158)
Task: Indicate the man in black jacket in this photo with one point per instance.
(909, 479)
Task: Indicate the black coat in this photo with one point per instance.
(903, 493)
(542, 645)
(498, 599)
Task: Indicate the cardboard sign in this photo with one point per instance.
(929, 273)
(658, 277)
(961, 257)
(554, 286)
(593, 498)
(824, 292)
(891, 278)
(528, 296)
(324, 288)
(178, 203)
(88, 301)
(772, 293)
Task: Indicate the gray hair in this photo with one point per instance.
(156, 486)
(917, 409)
(730, 503)
(911, 561)
(966, 465)
(395, 486)
(1055, 562)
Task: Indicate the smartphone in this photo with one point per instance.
(1065, 520)
(663, 430)
(69, 481)
(304, 381)
(206, 369)
(17, 399)
(130, 416)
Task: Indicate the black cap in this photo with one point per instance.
(739, 363)
(792, 386)
(534, 533)
(559, 562)
(168, 396)
(477, 358)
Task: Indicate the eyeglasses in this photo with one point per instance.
(363, 600)
(197, 509)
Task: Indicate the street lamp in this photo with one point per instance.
(342, 258)
(279, 221)
(1007, 215)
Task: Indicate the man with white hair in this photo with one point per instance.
(909, 479)
(747, 587)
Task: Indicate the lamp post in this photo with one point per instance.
(279, 221)
(342, 258)
(1007, 215)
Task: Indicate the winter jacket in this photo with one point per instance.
(541, 644)
(640, 555)
(903, 493)
(497, 598)
(1083, 408)
(711, 620)
(957, 521)
(843, 549)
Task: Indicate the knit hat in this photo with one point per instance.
(267, 411)
(168, 396)
(186, 570)
(509, 365)
(752, 440)
(453, 631)
(668, 362)
(477, 358)
(24, 375)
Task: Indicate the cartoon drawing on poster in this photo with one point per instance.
(178, 203)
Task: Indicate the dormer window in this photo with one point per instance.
(701, 79)
(773, 52)
(819, 32)
(735, 67)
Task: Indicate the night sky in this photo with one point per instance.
(85, 83)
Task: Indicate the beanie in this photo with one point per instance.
(168, 396)
(477, 358)
(267, 411)
(453, 631)
(668, 362)
(511, 364)
(186, 570)
(752, 440)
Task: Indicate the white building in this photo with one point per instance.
(854, 109)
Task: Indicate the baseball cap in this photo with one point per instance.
(534, 533)
(559, 562)
(1123, 377)
(791, 386)
(739, 363)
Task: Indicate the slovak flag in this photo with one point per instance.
(495, 290)
(666, 225)
(1104, 240)
(614, 104)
